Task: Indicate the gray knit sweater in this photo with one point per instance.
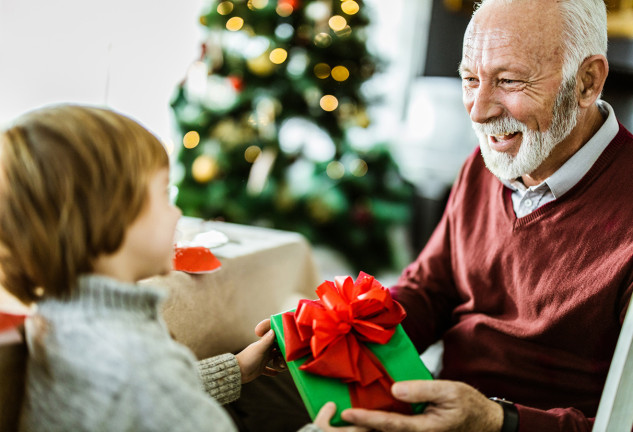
(104, 361)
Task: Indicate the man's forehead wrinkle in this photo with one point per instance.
(482, 45)
(478, 39)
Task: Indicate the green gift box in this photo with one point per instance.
(399, 358)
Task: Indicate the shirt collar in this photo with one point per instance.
(579, 164)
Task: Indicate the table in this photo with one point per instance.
(264, 272)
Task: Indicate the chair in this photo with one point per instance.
(615, 412)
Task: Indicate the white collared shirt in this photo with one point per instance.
(527, 199)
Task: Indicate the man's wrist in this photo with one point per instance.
(510, 415)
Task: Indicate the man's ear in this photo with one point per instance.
(591, 77)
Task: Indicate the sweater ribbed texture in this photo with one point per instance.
(103, 360)
(529, 308)
(220, 377)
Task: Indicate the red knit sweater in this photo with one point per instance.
(529, 309)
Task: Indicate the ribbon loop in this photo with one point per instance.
(332, 331)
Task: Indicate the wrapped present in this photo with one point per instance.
(349, 347)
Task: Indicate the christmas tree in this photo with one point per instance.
(267, 115)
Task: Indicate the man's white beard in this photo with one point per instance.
(535, 146)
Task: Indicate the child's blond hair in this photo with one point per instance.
(72, 179)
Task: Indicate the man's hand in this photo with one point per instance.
(324, 416)
(452, 406)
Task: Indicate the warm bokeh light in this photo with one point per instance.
(322, 70)
(278, 55)
(204, 169)
(225, 8)
(261, 65)
(191, 139)
(340, 73)
(284, 10)
(335, 170)
(258, 4)
(350, 7)
(323, 40)
(337, 23)
(251, 153)
(347, 31)
(234, 24)
(359, 168)
(329, 103)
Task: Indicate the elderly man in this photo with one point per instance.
(529, 274)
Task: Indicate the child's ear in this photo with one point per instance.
(592, 75)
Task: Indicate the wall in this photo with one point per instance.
(128, 55)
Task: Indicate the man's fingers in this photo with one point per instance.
(262, 327)
(381, 420)
(418, 390)
(325, 414)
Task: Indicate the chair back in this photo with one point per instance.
(615, 412)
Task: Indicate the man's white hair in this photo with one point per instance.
(584, 31)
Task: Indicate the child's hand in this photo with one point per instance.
(324, 416)
(254, 359)
(276, 362)
(262, 327)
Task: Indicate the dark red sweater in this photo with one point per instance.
(529, 309)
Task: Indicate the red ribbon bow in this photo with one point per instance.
(333, 332)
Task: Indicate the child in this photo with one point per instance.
(84, 215)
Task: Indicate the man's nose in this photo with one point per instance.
(483, 104)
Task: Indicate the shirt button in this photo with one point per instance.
(528, 203)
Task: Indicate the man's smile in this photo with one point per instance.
(504, 142)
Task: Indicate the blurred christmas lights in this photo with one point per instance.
(278, 55)
(322, 70)
(337, 23)
(335, 170)
(284, 10)
(340, 73)
(251, 153)
(350, 7)
(323, 40)
(204, 168)
(234, 24)
(225, 8)
(329, 103)
(191, 139)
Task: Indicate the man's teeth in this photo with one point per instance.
(506, 134)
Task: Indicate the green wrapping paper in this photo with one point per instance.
(399, 357)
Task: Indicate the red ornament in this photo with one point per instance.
(236, 82)
(291, 3)
(196, 259)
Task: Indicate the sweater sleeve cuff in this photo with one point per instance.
(221, 377)
(554, 420)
